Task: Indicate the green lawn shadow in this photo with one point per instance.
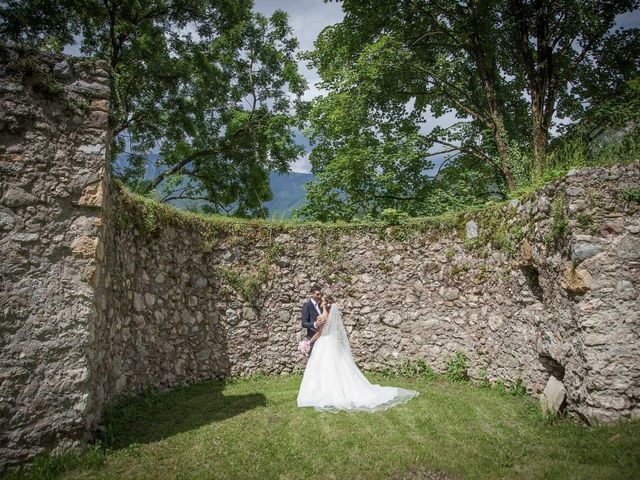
(151, 417)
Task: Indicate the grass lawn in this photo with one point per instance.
(251, 428)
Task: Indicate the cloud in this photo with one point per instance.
(307, 19)
(301, 165)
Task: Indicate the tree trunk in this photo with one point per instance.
(540, 137)
(485, 63)
(497, 121)
(503, 151)
(540, 73)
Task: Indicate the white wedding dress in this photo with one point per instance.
(332, 381)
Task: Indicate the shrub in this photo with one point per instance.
(393, 216)
(631, 195)
(457, 368)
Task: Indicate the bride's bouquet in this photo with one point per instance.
(304, 347)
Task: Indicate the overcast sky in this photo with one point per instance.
(307, 18)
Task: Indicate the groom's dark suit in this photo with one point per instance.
(309, 316)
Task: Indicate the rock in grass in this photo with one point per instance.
(553, 396)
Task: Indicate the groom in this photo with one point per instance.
(310, 312)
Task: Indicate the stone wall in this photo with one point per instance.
(104, 295)
(527, 290)
(53, 127)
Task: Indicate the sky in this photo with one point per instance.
(307, 18)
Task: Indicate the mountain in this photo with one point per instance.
(288, 192)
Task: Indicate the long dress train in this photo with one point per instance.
(332, 381)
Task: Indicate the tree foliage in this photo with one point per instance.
(210, 85)
(504, 69)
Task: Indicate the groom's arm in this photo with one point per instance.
(306, 317)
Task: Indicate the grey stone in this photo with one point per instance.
(249, 314)
(138, 302)
(231, 316)
(629, 248)
(201, 282)
(392, 319)
(203, 355)
(626, 290)
(543, 205)
(451, 294)
(26, 237)
(553, 395)
(150, 299)
(17, 197)
(7, 221)
(96, 89)
(92, 149)
(495, 322)
(63, 70)
(595, 339)
(582, 251)
(471, 229)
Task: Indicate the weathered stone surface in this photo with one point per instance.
(426, 296)
(583, 250)
(84, 246)
(50, 303)
(17, 197)
(553, 395)
(7, 221)
(92, 149)
(91, 195)
(392, 319)
(471, 229)
(26, 237)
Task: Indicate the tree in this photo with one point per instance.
(211, 85)
(562, 46)
(503, 68)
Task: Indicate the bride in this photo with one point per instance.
(332, 381)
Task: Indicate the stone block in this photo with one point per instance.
(84, 246)
(553, 395)
(138, 302)
(575, 281)
(471, 229)
(101, 105)
(7, 221)
(91, 195)
(583, 250)
(150, 299)
(392, 319)
(17, 197)
(26, 237)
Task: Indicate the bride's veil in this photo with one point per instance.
(334, 328)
